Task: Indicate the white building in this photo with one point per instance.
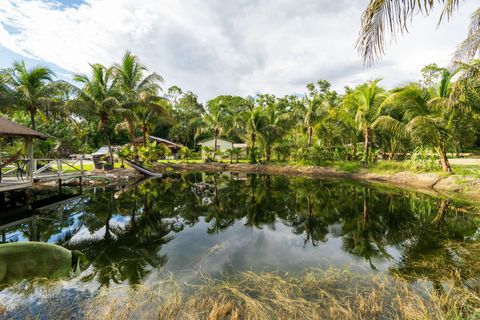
(222, 145)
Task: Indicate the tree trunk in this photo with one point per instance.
(144, 134)
(367, 144)
(310, 133)
(215, 146)
(131, 133)
(444, 160)
(107, 138)
(268, 151)
(252, 155)
(32, 119)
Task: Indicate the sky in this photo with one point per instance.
(213, 47)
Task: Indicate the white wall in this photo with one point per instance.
(222, 145)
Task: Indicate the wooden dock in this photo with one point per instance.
(17, 177)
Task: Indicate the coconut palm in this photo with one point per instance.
(33, 89)
(98, 98)
(255, 123)
(391, 17)
(312, 111)
(426, 116)
(214, 119)
(366, 102)
(138, 92)
(275, 123)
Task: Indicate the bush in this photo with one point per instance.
(423, 159)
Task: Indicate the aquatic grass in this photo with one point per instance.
(330, 294)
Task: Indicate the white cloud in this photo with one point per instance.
(218, 47)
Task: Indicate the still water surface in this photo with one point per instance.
(187, 224)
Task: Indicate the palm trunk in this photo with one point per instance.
(367, 144)
(252, 155)
(215, 146)
(310, 133)
(268, 151)
(32, 119)
(444, 160)
(107, 138)
(131, 132)
(144, 135)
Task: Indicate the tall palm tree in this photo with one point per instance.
(255, 123)
(138, 91)
(33, 89)
(98, 98)
(366, 102)
(312, 111)
(151, 113)
(214, 119)
(275, 122)
(391, 17)
(426, 116)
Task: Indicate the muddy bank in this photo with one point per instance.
(432, 183)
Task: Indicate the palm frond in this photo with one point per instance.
(383, 18)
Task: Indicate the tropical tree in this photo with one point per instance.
(275, 128)
(426, 116)
(255, 123)
(214, 120)
(365, 101)
(33, 89)
(98, 98)
(139, 92)
(391, 17)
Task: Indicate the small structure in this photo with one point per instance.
(12, 169)
(10, 129)
(222, 145)
(175, 147)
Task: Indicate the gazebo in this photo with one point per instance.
(10, 129)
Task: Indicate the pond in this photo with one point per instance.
(186, 224)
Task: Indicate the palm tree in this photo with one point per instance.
(32, 88)
(365, 100)
(98, 98)
(138, 92)
(426, 116)
(383, 17)
(151, 113)
(256, 122)
(214, 120)
(6, 94)
(275, 122)
(312, 111)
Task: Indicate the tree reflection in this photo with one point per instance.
(127, 228)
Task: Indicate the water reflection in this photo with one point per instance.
(128, 235)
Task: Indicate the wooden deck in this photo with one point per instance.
(44, 170)
(11, 184)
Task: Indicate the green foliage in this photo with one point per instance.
(151, 152)
(422, 159)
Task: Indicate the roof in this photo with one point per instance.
(11, 129)
(211, 139)
(100, 152)
(166, 142)
(240, 145)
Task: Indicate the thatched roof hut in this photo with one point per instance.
(11, 129)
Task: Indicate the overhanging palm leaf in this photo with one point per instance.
(391, 17)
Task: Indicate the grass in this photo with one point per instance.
(202, 161)
(316, 294)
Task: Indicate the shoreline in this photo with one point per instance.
(457, 186)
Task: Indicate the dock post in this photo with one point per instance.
(59, 172)
(29, 147)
